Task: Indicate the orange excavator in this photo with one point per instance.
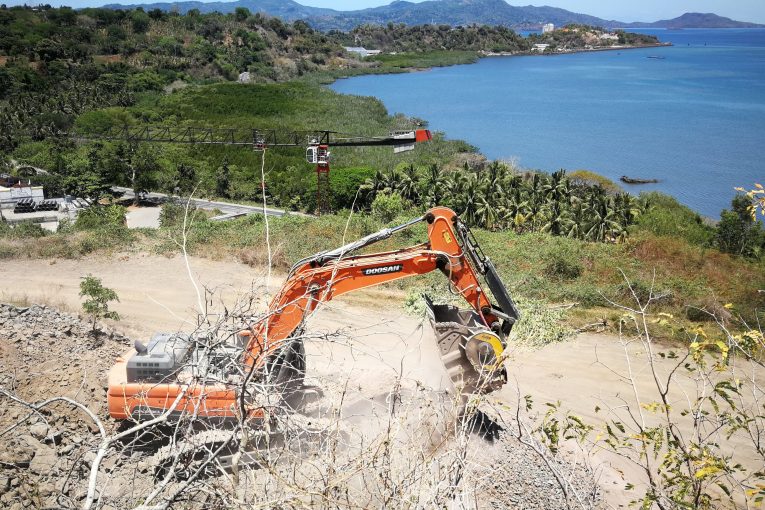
(179, 375)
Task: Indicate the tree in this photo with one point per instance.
(89, 177)
(407, 186)
(434, 185)
(241, 13)
(140, 22)
(387, 206)
(737, 233)
(222, 180)
(374, 185)
(757, 196)
(136, 167)
(186, 177)
(97, 300)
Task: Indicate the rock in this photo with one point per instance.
(39, 431)
(44, 461)
(89, 457)
(46, 489)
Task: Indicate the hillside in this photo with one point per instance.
(448, 12)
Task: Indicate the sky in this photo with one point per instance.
(620, 10)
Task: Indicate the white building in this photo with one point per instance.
(363, 52)
(549, 27)
(540, 47)
(14, 194)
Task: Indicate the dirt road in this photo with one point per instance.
(377, 343)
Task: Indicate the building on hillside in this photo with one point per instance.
(9, 196)
(609, 37)
(362, 52)
(541, 48)
(549, 27)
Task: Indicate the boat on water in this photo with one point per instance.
(630, 180)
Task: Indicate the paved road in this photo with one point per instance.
(224, 207)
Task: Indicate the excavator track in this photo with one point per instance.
(187, 450)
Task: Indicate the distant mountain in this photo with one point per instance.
(285, 9)
(696, 20)
(454, 12)
(447, 12)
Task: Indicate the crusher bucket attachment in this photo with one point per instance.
(471, 353)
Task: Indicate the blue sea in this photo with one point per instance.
(694, 118)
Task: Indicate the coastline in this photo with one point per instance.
(569, 52)
(476, 56)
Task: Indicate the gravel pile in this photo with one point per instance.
(518, 476)
(45, 456)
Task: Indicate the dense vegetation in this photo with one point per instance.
(407, 38)
(58, 63)
(500, 198)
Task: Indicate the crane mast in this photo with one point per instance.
(317, 143)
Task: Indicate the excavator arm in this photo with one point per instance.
(450, 248)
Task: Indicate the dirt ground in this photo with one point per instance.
(156, 294)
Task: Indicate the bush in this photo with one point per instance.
(97, 299)
(563, 263)
(667, 217)
(386, 207)
(24, 230)
(738, 233)
(172, 215)
(345, 185)
(101, 217)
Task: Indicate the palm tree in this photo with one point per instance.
(557, 220)
(393, 181)
(513, 207)
(578, 214)
(407, 186)
(469, 201)
(627, 207)
(435, 183)
(557, 187)
(603, 221)
(372, 186)
(487, 215)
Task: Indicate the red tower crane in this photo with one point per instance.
(317, 143)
